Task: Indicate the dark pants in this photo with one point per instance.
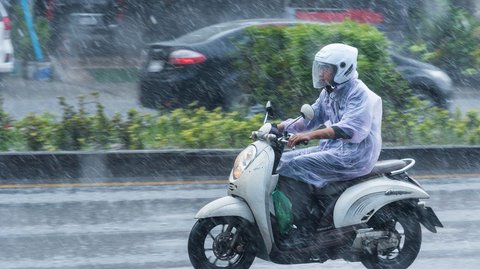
(311, 209)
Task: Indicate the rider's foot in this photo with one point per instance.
(297, 238)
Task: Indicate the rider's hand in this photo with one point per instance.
(298, 138)
(275, 131)
(280, 128)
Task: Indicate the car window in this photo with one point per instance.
(203, 34)
(208, 32)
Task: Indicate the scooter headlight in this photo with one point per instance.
(243, 160)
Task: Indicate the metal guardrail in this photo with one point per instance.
(169, 165)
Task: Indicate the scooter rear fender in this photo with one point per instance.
(359, 202)
(227, 206)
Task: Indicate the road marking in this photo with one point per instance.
(178, 182)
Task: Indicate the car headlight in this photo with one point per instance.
(243, 160)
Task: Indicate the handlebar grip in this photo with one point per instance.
(304, 142)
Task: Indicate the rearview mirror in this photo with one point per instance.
(269, 110)
(307, 112)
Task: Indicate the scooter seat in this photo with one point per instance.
(387, 166)
(381, 167)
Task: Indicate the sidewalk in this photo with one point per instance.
(22, 97)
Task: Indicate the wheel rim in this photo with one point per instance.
(400, 249)
(398, 233)
(218, 247)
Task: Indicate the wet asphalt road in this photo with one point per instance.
(144, 227)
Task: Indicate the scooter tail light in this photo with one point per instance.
(186, 57)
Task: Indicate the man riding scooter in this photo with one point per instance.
(349, 116)
(377, 209)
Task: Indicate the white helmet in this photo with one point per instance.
(342, 57)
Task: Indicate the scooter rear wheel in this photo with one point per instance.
(221, 243)
(407, 229)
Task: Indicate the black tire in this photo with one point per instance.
(209, 239)
(409, 231)
(431, 96)
(146, 96)
(230, 94)
(145, 99)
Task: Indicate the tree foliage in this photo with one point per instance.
(449, 41)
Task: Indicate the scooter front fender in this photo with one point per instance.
(227, 206)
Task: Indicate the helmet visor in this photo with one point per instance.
(319, 77)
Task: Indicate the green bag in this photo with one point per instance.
(283, 211)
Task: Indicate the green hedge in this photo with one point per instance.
(192, 127)
(196, 127)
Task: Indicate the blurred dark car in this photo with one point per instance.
(84, 26)
(90, 33)
(429, 82)
(199, 66)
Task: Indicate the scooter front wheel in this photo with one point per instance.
(224, 242)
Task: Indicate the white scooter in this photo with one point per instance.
(375, 220)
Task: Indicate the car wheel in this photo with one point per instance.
(150, 97)
(430, 97)
(231, 95)
(147, 98)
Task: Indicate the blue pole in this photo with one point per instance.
(33, 35)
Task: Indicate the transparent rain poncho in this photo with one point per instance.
(358, 112)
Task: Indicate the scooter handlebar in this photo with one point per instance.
(286, 137)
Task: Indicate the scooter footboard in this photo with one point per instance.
(359, 202)
(227, 206)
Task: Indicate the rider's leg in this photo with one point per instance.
(300, 195)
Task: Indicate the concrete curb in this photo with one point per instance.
(169, 165)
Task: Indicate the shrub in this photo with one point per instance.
(37, 131)
(196, 127)
(101, 126)
(281, 59)
(5, 128)
(74, 130)
(131, 134)
(200, 128)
